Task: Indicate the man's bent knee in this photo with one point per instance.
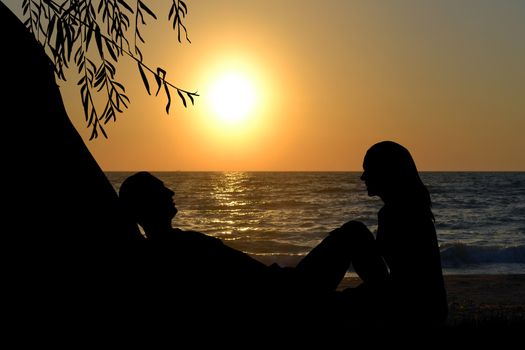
(353, 232)
(354, 226)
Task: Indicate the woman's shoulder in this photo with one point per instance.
(405, 217)
(404, 210)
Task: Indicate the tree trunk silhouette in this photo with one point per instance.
(71, 252)
(57, 192)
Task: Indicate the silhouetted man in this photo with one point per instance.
(212, 279)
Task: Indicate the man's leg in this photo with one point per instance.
(326, 264)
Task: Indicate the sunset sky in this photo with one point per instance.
(315, 83)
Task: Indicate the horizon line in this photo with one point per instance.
(304, 171)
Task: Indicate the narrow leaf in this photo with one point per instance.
(110, 50)
(69, 42)
(25, 6)
(118, 107)
(85, 104)
(106, 111)
(182, 98)
(182, 4)
(88, 36)
(144, 78)
(124, 99)
(145, 8)
(171, 11)
(98, 39)
(140, 36)
(169, 98)
(92, 65)
(159, 84)
(59, 37)
(139, 13)
(81, 66)
(125, 19)
(103, 131)
(79, 55)
(123, 3)
(120, 86)
(93, 116)
(110, 67)
(100, 71)
(51, 27)
(110, 115)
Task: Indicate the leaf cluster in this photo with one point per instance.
(68, 29)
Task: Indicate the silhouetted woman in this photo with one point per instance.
(414, 292)
(401, 269)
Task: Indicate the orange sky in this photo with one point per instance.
(444, 78)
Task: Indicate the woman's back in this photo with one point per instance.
(407, 240)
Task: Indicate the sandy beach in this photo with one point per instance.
(481, 301)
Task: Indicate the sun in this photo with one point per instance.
(232, 97)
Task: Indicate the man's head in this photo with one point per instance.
(147, 200)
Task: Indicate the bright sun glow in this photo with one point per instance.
(232, 97)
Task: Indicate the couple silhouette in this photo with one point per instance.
(400, 268)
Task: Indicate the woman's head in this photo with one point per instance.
(391, 173)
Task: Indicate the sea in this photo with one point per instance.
(277, 217)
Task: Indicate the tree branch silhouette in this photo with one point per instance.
(59, 27)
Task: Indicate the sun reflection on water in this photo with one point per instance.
(229, 194)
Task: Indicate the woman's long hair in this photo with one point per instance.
(399, 174)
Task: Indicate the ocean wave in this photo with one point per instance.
(459, 254)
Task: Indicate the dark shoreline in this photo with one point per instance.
(481, 301)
